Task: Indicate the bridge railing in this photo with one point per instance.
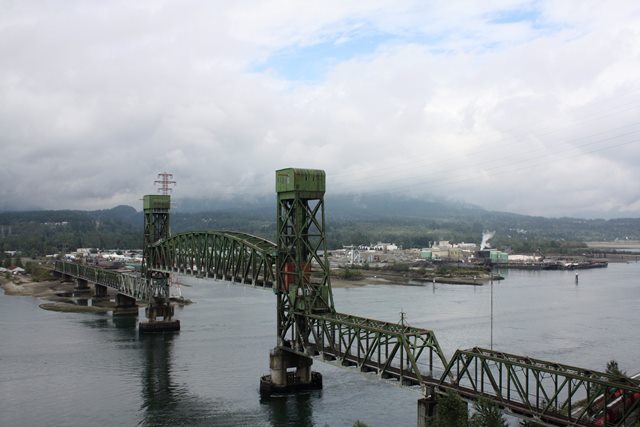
(410, 355)
(550, 392)
(125, 283)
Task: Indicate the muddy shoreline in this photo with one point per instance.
(59, 296)
(64, 297)
(377, 277)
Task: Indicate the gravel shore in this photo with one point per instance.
(61, 295)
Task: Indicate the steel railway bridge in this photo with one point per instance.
(309, 327)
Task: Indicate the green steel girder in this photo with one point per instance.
(130, 285)
(391, 350)
(303, 284)
(550, 392)
(224, 255)
(156, 229)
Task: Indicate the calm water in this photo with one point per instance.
(85, 369)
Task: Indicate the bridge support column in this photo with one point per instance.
(159, 307)
(101, 291)
(82, 285)
(125, 306)
(281, 380)
(427, 411)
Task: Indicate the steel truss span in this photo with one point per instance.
(550, 392)
(410, 355)
(131, 285)
(222, 255)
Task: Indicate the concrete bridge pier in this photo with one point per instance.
(427, 411)
(159, 307)
(101, 291)
(125, 306)
(82, 285)
(282, 380)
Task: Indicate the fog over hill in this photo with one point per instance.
(355, 219)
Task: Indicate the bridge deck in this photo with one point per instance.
(131, 285)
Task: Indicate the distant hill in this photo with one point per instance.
(351, 219)
(46, 232)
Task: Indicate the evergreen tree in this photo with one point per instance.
(452, 411)
(487, 414)
(614, 369)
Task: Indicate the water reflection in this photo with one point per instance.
(165, 401)
(157, 388)
(291, 410)
(125, 322)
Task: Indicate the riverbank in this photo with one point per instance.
(61, 296)
(411, 278)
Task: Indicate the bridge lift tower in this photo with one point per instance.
(303, 286)
(156, 227)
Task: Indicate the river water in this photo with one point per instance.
(87, 369)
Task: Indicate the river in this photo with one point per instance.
(87, 369)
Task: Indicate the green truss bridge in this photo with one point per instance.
(309, 327)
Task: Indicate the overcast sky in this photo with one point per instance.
(528, 107)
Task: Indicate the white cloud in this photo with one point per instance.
(536, 115)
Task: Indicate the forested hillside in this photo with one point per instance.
(350, 220)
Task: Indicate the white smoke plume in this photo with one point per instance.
(486, 236)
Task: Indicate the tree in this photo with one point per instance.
(452, 411)
(487, 414)
(614, 369)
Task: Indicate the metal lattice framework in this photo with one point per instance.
(303, 278)
(131, 285)
(550, 392)
(156, 229)
(223, 255)
(410, 355)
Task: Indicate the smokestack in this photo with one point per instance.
(486, 236)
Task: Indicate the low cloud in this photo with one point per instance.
(533, 112)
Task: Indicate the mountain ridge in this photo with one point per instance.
(354, 219)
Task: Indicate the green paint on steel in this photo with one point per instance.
(306, 184)
(131, 285)
(156, 226)
(408, 354)
(551, 392)
(223, 255)
(156, 229)
(303, 285)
